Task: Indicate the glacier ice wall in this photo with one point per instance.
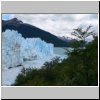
(16, 49)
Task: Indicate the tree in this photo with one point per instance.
(81, 34)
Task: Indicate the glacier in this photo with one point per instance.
(19, 52)
(16, 49)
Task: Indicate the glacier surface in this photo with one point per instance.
(16, 49)
(18, 52)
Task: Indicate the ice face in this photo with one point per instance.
(16, 49)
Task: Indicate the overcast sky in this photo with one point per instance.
(57, 24)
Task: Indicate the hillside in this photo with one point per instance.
(29, 31)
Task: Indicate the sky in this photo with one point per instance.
(58, 24)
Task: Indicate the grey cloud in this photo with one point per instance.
(59, 24)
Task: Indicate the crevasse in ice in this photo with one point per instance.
(16, 49)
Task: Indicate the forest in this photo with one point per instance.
(79, 69)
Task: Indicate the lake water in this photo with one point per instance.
(61, 50)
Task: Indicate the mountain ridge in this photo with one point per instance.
(30, 31)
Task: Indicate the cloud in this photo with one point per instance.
(59, 24)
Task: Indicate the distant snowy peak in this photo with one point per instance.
(66, 38)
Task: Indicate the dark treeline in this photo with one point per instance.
(79, 69)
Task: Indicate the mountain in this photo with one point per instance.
(29, 31)
(66, 39)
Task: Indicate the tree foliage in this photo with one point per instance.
(82, 34)
(80, 69)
